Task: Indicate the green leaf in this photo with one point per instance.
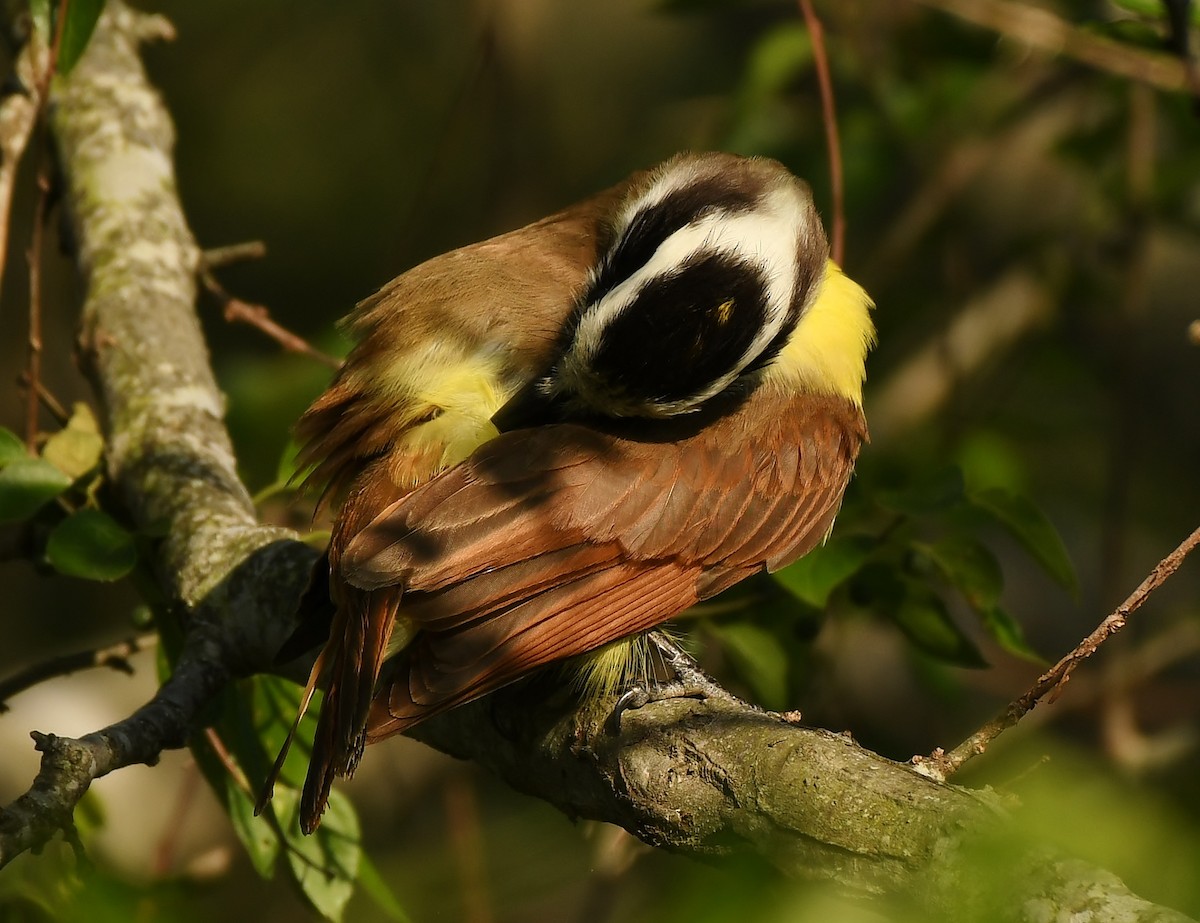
(26, 485)
(252, 724)
(923, 617)
(1008, 634)
(816, 575)
(931, 492)
(91, 544)
(257, 834)
(759, 659)
(1033, 530)
(77, 31)
(11, 447)
(77, 448)
(377, 889)
(324, 865)
(234, 727)
(970, 567)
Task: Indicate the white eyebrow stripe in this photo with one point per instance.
(765, 237)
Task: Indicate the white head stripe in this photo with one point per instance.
(766, 236)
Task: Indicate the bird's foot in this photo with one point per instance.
(691, 682)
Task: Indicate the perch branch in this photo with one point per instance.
(832, 139)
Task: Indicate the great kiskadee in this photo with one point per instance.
(554, 440)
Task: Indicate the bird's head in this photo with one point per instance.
(711, 263)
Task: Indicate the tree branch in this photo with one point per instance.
(702, 778)
(229, 583)
(714, 779)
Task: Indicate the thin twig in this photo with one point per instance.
(234, 253)
(941, 765)
(832, 139)
(238, 777)
(256, 315)
(34, 259)
(485, 53)
(1041, 29)
(227, 760)
(52, 404)
(34, 254)
(70, 765)
(115, 657)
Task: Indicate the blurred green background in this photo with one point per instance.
(1030, 230)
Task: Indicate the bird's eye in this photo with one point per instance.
(724, 311)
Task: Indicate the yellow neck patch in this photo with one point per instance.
(827, 351)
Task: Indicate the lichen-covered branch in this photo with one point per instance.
(703, 778)
(714, 779)
(228, 582)
(169, 454)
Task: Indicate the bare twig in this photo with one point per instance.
(256, 315)
(238, 311)
(1041, 29)
(33, 371)
(34, 254)
(115, 657)
(832, 140)
(52, 404)
(483, 57)
(217, 257)
(941, 765)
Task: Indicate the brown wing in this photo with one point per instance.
(552, 542)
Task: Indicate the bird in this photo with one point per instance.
(548, 443)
